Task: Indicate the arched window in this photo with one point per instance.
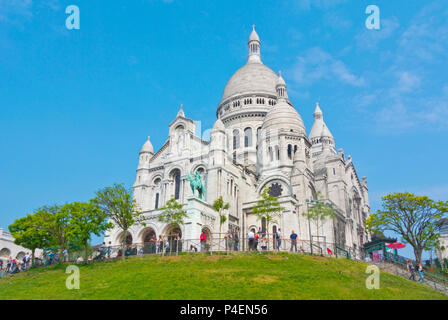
(258, 135)
(248, 137)
(295, 148)
(277, 152)
(236, 139)
(176, 178)
(289, 151)
(156, 206)
(271, 156)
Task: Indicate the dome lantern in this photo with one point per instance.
(281, 87)
(254, 46)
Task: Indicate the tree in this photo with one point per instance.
(318, 213)
(219, 206)
(28, 233)
(414, 218)
(55, 222)
(86, 219)
(172, 214)
(117, 204)
(268, 207)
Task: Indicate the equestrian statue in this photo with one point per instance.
(196, 184)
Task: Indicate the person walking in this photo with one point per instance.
(411, 270)
(293, 238)
(250, 237)
(279, 238)
(420, 273)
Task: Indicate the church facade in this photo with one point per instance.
(258, 141)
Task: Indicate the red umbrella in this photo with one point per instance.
(396, 245)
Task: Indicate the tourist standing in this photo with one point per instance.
(65, 254)
(167, 246)
(24, 261)
(264, 244)
(8, 264)
(257, 236)
(293, 238)
(109, 249)
(236, 240)
(228, 240)
(410, 267)
(203, 239)
(250, 237)
(160, 244)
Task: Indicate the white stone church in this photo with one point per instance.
(258, 141)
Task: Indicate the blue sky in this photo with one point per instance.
(77, 105)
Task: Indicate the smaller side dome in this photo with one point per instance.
(218, 126)
(147, 147)
(283, 117)
(319, 129)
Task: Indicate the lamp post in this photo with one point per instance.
(308, 202)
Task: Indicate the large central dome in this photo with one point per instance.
(254, 78)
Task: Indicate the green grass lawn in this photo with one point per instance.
(239, 276)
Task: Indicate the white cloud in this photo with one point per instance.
(317, 65)
(407, 93)
(15, 12)
(318, 4)
(407, 82)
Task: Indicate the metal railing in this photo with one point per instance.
(402, 263)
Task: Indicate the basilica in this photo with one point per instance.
(258, 141)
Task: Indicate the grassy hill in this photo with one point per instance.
(239, 276)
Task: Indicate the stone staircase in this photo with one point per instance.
(402, 272)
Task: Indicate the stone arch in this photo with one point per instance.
(252, 228)
(155, 177)
(170, 233)
(199, 166)
(20, 255)
(180, 126)
(146, 233)
(148, 238)
(120, 237)
(176, 174)
(272, 179)
(5, 253)
(313, 192)
(208, 232)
